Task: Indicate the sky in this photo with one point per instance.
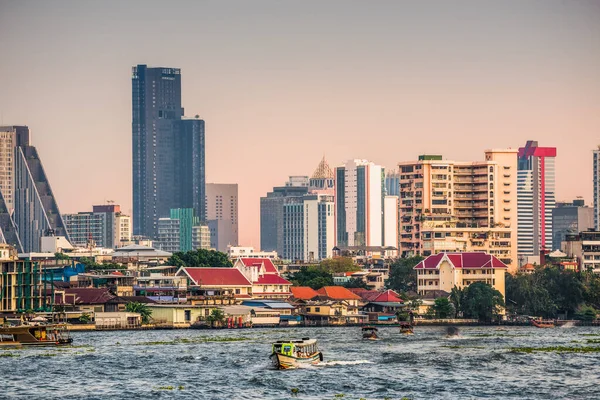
(281, 84)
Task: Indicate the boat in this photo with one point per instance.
(289, 354)
(539, 323)
(406, 328)
(369, 332)
(35, 335)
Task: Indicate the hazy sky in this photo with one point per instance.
(282, 83)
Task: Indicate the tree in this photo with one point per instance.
(216, 317)
(91, 265)
(200, 258)
(482, 301)
(338, 264)
(586, 313)
(140, 308)
(313, 277)
(85, 318)
(356, 283)
(403, 277)
(443, 308)
(61, 256)
(457, 296)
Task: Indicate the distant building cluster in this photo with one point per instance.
(471, 220)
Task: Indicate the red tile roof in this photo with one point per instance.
(217, 276)
(389, 296)
(87, 296)
(257, 262)
(271, 279)
(462, 260)
(337, 293)
(303, 292)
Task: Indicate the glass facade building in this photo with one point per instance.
(167, 150)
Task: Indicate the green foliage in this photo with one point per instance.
(481, 301)
(403, 278)
(216, 316)
(91, 265)
(338, 264)
(312, 276)
(200, 258)
(85, 318)
(457, 296)
(140, 308)
(61, 256)
(443, 308)
(550, 291)
(356, 283)
(586, 313)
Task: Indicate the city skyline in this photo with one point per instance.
(276, 94)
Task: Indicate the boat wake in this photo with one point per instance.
(568, 325)
(353, 362)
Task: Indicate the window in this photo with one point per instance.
(317, 309)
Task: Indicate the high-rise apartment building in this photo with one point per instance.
(11, 137)
(536, 198)
(319, 227)
(570, 218)
(168, 151)
(222, 214)
(298, 219)
(271, 213)
(123, 234)
(182, 231)
(459, 206)
(390, 221)
(28, 210)
(596, 175)
(104, 226)
(308, 227)
(359, 193)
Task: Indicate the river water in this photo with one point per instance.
(234, 364)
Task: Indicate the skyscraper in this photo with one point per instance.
(596, 166)
(11, 137)
(30, 210)
(271, 213)
(222, 214)
(536, 198)
(359, 193)
(570, 219)
(168, 151)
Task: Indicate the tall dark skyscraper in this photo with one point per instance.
(168, 151)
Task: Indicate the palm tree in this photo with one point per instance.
(141, 309)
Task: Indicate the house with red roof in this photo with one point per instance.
(443, 271)
(303, 293)
(265, 278)
(216, 285)
(330, 305)
(380, 305)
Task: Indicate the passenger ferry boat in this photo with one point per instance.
(543, 324)
(369, 333)
(35, 335)
(288, 354)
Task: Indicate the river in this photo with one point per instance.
(234, 364)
